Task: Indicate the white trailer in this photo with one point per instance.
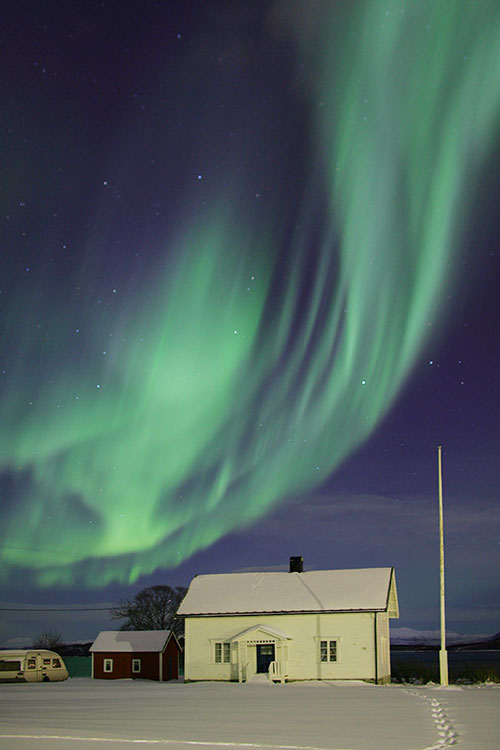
(31, 665)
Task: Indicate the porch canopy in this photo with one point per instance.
(260, 635)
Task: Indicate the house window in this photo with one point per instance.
(108, 665)
(222, 653)
(328, 650)
(136, 665)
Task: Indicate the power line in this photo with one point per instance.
(76, 609)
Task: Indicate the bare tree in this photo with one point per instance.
(50, 639)
(153, 608)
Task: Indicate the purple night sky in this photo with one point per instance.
(175, 169)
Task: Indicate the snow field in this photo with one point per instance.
(445, 730)
(82, 714)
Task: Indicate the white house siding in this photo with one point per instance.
(383, 647)
(354, 632)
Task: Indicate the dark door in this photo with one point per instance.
(265, 655)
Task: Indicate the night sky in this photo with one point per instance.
(249, 283)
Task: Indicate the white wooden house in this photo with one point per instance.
(320, 624)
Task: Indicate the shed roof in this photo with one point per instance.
(365, 589)
(131, 640)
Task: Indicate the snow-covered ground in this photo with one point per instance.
(82, 714)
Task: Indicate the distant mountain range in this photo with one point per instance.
(407, 637)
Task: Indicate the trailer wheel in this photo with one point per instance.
(45, 678)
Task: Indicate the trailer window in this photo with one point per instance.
(56, 663)
(46, 661)
(32, 662)
(10, 666)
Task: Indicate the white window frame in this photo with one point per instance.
(328, 639)
(136, 666)
(224, 655)
(108, 665)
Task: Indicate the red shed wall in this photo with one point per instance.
(171, 660)
(150, 665)
(122, 666)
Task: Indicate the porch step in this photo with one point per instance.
(260, 677)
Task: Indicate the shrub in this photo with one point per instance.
(415, 672)
(50, 639)
(480, 673)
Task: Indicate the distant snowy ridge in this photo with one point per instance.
(27, 642)
(409, 637)
(399, 637)
(21, 642)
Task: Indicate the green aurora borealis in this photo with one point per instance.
(242, 374)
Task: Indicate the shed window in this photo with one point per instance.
(136, 665)
(108, 665)
(222, 653)
(328, 650)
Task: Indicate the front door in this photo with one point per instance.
(265, 655)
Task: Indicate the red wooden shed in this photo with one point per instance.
(142, 654)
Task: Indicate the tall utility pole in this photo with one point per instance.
(443, 654)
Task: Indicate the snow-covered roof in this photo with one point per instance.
(365, 589)
(131, 640)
